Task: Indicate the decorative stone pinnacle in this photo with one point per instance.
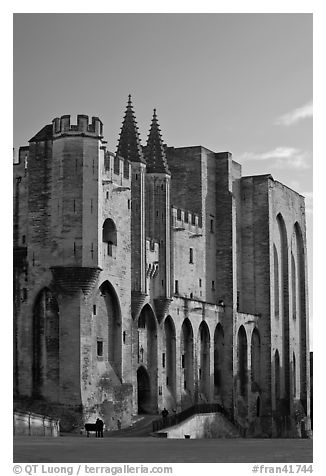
(154, 151)
(129, 145)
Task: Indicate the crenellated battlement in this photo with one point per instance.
(62, 126)
(186, 220)
(114, 170)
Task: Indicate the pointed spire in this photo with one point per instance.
(129, 146)
(154, 151)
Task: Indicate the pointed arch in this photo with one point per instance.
(144, 397)
(255, 356)
(284, 286)
(293, 286)
(109, 318)
(147, 350)
(242, 361)
(170, 354)
(218, 358)
(187, 356)
(204, 359)
(302, 309)
(276, 284)
(277, 377)
(294, 376)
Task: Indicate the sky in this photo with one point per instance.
(235, 82)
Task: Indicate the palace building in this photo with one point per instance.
(157, 277)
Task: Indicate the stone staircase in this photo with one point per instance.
(141, 426)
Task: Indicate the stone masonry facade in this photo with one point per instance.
(157, 277)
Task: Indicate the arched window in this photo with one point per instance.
(109, 235)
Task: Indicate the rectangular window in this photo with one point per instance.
(94, 309)
(200, 282)
(213, 285)
(99, 348)
(128, 204)
(176, 286)
(191, 255)
(183, 361)
(212, 226)
(163, 360)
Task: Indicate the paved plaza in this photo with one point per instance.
(75, 449)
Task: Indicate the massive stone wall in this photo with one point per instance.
(169, 291)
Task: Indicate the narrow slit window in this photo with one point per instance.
(176, 286)
(191, 255)
(99, 348)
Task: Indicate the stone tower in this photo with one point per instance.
(129, 147)
(158, 213)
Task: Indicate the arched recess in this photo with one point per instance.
(255, 358)
(301, 310)
(169, 359)
(294, 286)
(204, 359)
(277, 370)
(276, 284)
(46, 331)
(147, 352)
(284, 286)
(187, 356)
(109, 236)
(109, 325)
(143, 390)
(218, 359)
(242, 361)
(294, 376)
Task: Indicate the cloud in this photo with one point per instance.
(295, 116)
(281, 157)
